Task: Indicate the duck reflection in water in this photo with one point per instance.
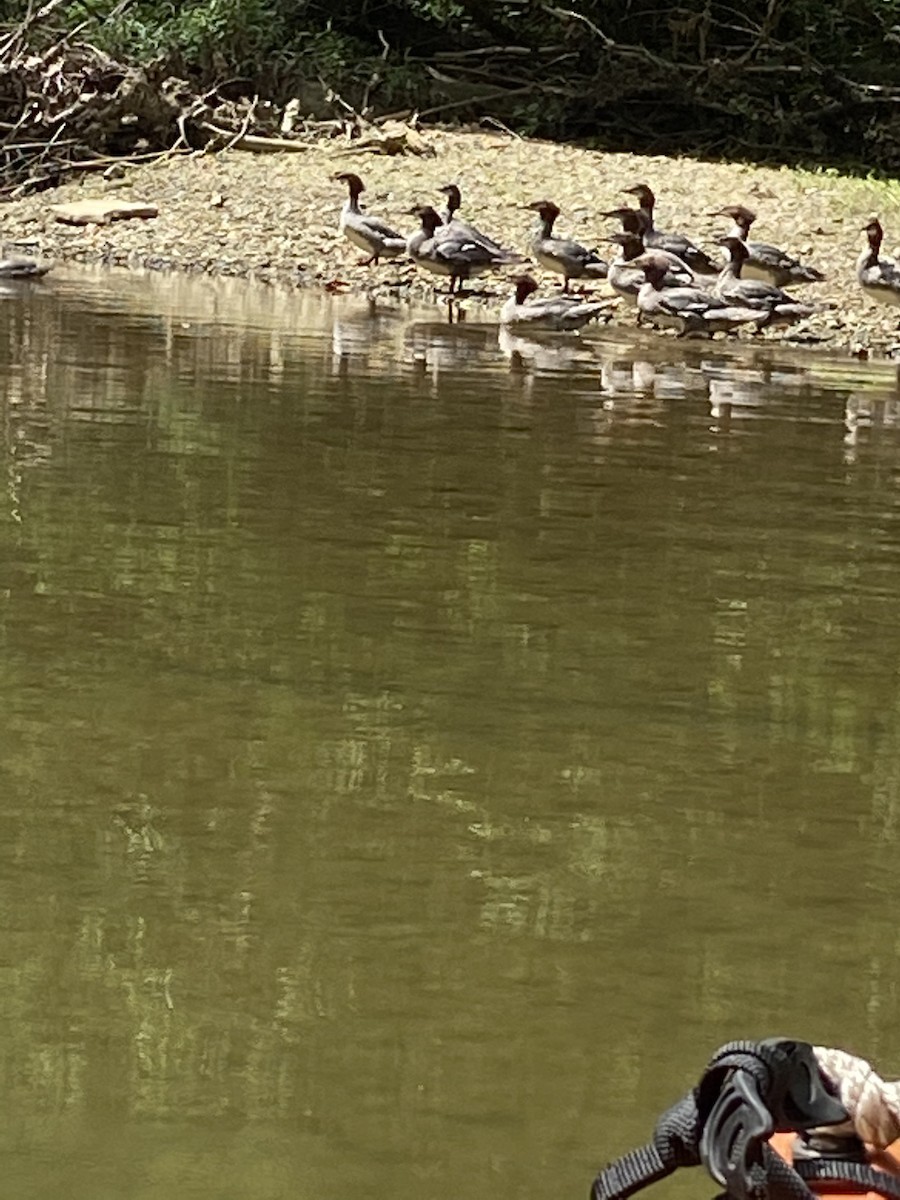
(433, 347)
(537, 354)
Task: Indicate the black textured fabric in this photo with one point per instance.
(860, 1176)
(678, 1133)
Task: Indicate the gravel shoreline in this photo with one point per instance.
(273, 217)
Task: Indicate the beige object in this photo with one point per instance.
(393, 137)
(872, 1102)
(102, 210)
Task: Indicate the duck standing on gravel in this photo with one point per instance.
(549, 312)
(362, 229)
(687, 309)
(443, 250)
(450, 219)
(878, 277)
(674, 243)
(781, 309)
(765, 261)
(567, 258)
(634, 222)
(626, 279)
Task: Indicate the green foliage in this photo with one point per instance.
(791, 79)
(231, 35)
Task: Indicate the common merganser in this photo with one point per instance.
(19, 266)
(443, 250)
(567, 258)
(550, 312)
(362, 229)
(878, 277)
(634, 221)
(779, 307)
(765, 261)
(454, 200)
(675, 243)
(625, 278)
(687, 309)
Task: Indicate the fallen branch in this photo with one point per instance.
(252, 141)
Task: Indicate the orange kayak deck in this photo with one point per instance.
(885, 1160)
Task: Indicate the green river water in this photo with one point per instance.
(420, 749)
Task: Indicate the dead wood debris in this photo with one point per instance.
(66, 106)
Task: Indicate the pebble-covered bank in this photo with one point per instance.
(274, 216)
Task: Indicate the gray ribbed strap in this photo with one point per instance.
(630, 1173)
(860, 1175)
(783, 1180)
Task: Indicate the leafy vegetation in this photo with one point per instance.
(789, 79)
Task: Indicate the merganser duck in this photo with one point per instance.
(675, 243)
(444, 250)
(634, 222)
(625, 278)
(878, 277)
(567, 258)
(449, 217)
(779, 307)
(765, 261)
(550, 312)
(687, 309)
(362, 229)
(19, 266)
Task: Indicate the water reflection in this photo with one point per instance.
(422, 745)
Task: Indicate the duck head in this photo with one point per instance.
(354, 184)
(632, 244)
(525, 285)
(654, 266)
(427, 215)
(736, 247)
(454, 199)
(875, 234)
(743, 217)
(546, 210)
(645, 197)
(633, 220)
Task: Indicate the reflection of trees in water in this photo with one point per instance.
(351, 714)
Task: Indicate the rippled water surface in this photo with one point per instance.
(419, 749)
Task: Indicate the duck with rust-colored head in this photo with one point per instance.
(524, 310)
(372, 235)
(765, 261)
(689, 310)
(444, 250)
(878, 277)
(458, 225)
(563, 255)
(673, 243)
(780, 307)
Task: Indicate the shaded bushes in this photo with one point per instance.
(805, 79)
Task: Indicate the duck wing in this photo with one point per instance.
(379, 227)
(458, 250)
(683, 248)
(782, 265)
(686, 302)
(755, 292)
(567, 248)
(462, 228)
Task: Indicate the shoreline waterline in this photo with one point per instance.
(273, 219)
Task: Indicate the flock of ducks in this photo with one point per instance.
(670, 280)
